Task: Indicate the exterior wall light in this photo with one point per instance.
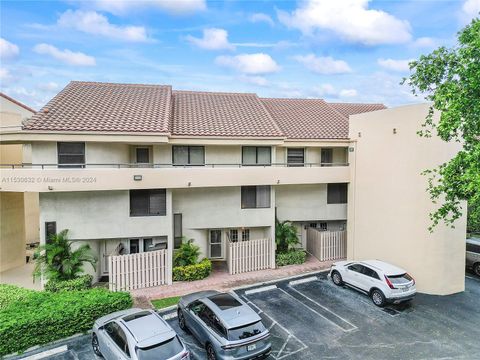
(137, 177)
(50, 188)
(189, 183)
(394, 130)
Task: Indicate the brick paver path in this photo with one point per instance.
(221, 280)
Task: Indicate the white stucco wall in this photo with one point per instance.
(8, 106)
(99, 215)
(389, 206)
(306, 202)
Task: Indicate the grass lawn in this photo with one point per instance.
(163, 303)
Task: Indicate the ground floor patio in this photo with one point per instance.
(21, 276)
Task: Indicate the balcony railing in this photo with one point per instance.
(160, 166)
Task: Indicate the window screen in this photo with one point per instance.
(71, 154)
(255, 197)
(50, 229)
(256, 155)
(148, 202)
(337, 193)
(327, 157)
(245, 234)
(143, 155)
(295, 157)
(188, 155)
(177, 230)
(233, 235)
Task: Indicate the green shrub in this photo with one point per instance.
(193, 272)
(10, 294)
(81, 283)
(286, 236)
(44, 316)
(291, 257)
(187, 254)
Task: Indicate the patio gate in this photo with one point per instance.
(327, 245)
(251, 255)
(137, 271)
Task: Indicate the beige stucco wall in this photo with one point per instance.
(388, 203)
(219, 208)
(100, 215)
(12, 230)
(7, 106)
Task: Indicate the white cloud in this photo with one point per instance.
(256, 80)
(4, 74)
(329, 91)
(8, 50)
(395, 65)
(350, 19)
(49, 86)
(323, 65)
(470, 10)
(123, 7)
(259, 63)
(260, 17)
(92, 22)
(425, 42)
(213, 39)
(348, 93)
(66, 56)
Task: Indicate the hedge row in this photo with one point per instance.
(41, 317)
(193, 272)
(10, 294)
(83, 282)
(291, 258)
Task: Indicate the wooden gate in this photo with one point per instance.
(251, 255)
(327, 245)
(137, 271)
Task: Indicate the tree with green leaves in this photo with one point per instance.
(57, 261)
(450, 79)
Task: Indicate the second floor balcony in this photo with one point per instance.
(121, 176)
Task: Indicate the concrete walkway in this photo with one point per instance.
(221, 280)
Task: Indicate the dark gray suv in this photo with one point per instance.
(226, 326)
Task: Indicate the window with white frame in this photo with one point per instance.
(245, 234)
(233, 235)
(256, 155)
(188, 155)
(255, 197)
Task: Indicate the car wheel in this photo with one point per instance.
(211, 352)
(181, 321)
(96, 346)
(337, 278)
(377, 297)
(476, 269)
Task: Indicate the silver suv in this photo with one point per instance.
(136, 334)
(473, 255)
(226, 326)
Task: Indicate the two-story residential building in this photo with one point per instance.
(135, 168)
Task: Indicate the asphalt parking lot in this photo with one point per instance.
(310, 318)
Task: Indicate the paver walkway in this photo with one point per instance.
(221, 280)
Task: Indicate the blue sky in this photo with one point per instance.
(339, 50)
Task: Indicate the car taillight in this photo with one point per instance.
(185, 356)
(389, 283)
(411, 277)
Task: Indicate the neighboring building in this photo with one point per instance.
(19, 210)
(133, 168)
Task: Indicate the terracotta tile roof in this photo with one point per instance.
(92, 106)
(348, 109)
(17, 102)
(221, 114)
(307, 118)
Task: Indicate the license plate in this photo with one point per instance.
(405, 289)
(251, 347)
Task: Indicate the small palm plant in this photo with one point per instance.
(286, 236)
(187, 254)
(57, 261)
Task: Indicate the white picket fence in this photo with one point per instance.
(137, 271)
(327, 245)
(251, 255)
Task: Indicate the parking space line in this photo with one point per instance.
(48, 353)
(261, 289)
(347, 328)
(303, 281)
(275, 322)
(169, 316)
(472, 278)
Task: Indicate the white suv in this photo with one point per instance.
(383, 282)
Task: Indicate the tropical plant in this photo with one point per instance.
(450, 79)
(286, 236)
(57, 261)
(187, 254)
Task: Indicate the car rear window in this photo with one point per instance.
(473, 248)
(164, 350)
(244, 332)
(399, 279)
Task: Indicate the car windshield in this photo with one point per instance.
(244, 332)
(399, 279)
(164, 350)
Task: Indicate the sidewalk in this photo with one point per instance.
(221, 280)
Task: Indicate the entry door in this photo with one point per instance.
(216, 244)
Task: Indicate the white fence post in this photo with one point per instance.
(136, 271)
